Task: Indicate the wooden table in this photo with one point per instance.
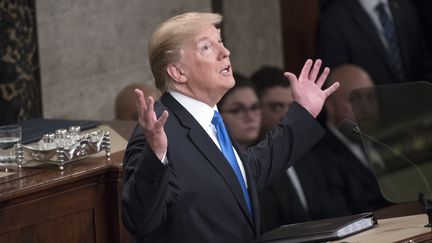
(80, 204)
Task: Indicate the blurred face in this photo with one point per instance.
(364, 105)
(241, 112)
(360, 106)
(206, 65)
(128, 109)
(275, 103)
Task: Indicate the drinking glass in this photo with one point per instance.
(10, 138)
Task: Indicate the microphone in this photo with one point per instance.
(350, 128)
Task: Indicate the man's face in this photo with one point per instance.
(361, 106)
(206, 65)
(275, 103)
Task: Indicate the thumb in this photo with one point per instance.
(291, 77)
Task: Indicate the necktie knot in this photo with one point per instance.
(217, 119)
(380, 7)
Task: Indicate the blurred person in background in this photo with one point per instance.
(240, 109)
(302, 192)
(125, 101)
(384, 37)
(344, 159)
(275, 95)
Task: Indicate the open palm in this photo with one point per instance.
(152, 126)
(307, 88)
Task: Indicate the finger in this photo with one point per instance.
(162, 119)
(305, 70)
(330, 90)
(315, 70)
(148, 115)
(291, 78)
(323, 77)
(140, 102)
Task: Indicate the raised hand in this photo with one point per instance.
(307, 90)
(152, 126)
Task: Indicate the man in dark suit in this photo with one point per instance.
(301, 193)
(384, 37)
(184, 180)
(346, 164)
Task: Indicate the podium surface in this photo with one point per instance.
(393, 230)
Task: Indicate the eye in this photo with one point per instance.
(235, 111)
(205, 46)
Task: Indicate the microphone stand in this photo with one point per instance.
(350, 128)
(426, 204)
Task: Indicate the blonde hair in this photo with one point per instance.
(169, 38)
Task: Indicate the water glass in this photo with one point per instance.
(10, 137)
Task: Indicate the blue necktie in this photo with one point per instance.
(389, 33)
(227, 150)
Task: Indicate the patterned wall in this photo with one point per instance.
(20, 92)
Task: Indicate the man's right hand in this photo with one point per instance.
(152, 126)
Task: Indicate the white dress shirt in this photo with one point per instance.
(203, 114)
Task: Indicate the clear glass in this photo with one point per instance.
(10, 136)
(397, 136)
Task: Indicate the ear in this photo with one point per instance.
(177, 73)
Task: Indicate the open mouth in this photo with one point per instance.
(226, 70)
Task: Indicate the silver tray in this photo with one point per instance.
(87, 144)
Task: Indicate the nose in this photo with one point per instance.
(224, 51)
(252, 114)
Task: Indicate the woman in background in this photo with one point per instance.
(241, 111)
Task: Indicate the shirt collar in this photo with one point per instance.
(199, 110)
(370, 5)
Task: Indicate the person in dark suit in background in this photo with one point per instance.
(424, 7)
(301, 193)
(185, 180)
(346, 164)
(384, 37)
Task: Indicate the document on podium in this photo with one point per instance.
(320, 230)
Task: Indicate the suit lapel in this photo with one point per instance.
(362, 19)
(199, 137)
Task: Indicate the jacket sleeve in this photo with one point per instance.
(283, 145)
(149, 187)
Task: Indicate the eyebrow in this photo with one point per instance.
(242, 104)
(204, 38)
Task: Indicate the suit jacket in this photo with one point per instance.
(196, 197)
(348, 35)
(280, 202)
(347, 174)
